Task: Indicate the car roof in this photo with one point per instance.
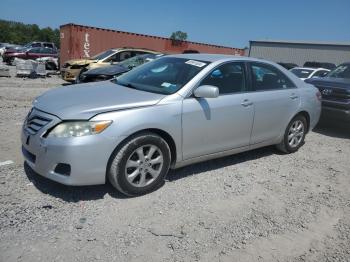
(217, 57)
(311, 68)
(132, 48)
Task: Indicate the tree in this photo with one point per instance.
(19, 33)
(177, 37)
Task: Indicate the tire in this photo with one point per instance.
(51, 66)
(78, 78)
(133, 175)
(11, 61)
(294, 135)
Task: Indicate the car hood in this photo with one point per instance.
(110, 70)
(80, 61)
(84, 101)
(329, 82)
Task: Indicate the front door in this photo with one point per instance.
(212, 125)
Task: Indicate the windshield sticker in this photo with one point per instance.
(165, 84)
(195, 63)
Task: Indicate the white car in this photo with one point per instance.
(308, 72)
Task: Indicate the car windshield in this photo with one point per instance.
(301, 73)
(342, 71)
(164, 75)
(137, 60)
(103, 55)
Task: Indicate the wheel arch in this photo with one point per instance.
(163, 134)
(307, 117)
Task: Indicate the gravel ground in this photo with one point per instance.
(254, 206)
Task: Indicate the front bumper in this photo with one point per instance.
(87, 156)
(335, 114)
(69, 75)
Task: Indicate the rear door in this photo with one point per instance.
(212, 125)
(33, 53)
(276, 100)
(46, 52)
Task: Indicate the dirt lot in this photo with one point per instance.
(255, 206)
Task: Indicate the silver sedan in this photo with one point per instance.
(171, 112)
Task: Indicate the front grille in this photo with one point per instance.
(333, 92)
(34, 123)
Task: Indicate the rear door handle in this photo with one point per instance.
(246, 103)
(293, 96)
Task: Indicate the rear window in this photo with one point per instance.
(302, 73)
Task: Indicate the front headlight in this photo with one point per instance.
(79, 128)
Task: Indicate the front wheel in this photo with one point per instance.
(294, 135)
(140, 165)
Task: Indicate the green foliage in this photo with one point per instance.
(178, 36)
(19, 33)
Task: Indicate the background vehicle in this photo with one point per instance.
(6, 47)
(110, 71)
(288, 65)
(308, 72)
(71, 69)
(329, 66)
(171, 112)
(335, 90)
(41, 44)
(30, 53)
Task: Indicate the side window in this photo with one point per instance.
(34, 50)
(267, 77)
(48, 45)
(36, 45)
(113, 58)
(135, 53)
(124, 55)
(320, 73)
(47, 51)
(229, 78)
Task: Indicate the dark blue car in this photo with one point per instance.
(335, 90)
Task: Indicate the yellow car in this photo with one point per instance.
(72, 68)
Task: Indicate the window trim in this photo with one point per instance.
(249, 66)
(246, 79)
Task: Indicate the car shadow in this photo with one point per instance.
(84, 193)
(70, 193)
(218, 163)
(332, 129)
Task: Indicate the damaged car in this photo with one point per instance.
(111, 71)
(71, 69)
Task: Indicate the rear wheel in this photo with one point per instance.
(78, 78)
(11, 61)
(294, 135)
(140, 165)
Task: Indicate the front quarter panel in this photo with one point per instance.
(164, 116)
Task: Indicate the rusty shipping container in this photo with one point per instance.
(78, 41)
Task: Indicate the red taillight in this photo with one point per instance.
(318, 95)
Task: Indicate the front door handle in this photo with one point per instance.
(246, 103)
(293, 96)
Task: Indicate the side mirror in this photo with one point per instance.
(206, 91)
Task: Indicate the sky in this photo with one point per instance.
(223, 22)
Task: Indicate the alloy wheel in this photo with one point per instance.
(144, 165)
(296, 133)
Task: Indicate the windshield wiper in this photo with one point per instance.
(126, 84)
